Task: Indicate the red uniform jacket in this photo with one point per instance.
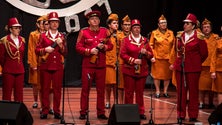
(11, 57)
(89, 39)
(55, 59)
(195, 52)
(130, 51)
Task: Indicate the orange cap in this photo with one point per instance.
(113, 16)
(126, 18)
(41, 18)
(162, 19)
(206, 21)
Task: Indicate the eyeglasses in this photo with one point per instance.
(126, 24)
(46, 24)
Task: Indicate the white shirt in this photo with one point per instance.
(187, 36)
(136, 39)
(53, 35)
(15, 40)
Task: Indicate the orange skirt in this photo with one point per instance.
(120, 75)
(217, 86)
(110, 75)
(160, 69)
(205, 81)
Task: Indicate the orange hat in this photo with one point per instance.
(93, 13)
(126, 18)
(13, 22)
(113, 16)
(53, 16)
(206, 21)
(135, 22)
(162, 19)
(191, 18)
(41, 18)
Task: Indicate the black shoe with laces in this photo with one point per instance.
(57, 116)
(142, 117)
(43, 116)
(51, 111)
(102, 116)
(157, 95)
(82, 116)
(193, 120)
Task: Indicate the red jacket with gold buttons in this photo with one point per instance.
(54, 60)
(11, 56)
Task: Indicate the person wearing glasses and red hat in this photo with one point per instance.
(92, 44)
(191, 51)
(12, 48)
(135, 51)
(51, 49)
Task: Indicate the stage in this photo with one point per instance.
(164, 109)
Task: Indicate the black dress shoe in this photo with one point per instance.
(142, 117)
(166, 95)
(102, 117)
(201, 106)
(43, 116)
(193, 120)
(179, 120)
(57, 116)
(82, 116)
(51, 111)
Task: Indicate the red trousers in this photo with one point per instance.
(11, 81)
(192, 84)
(48, 78)
(97, 74)
(137, 85)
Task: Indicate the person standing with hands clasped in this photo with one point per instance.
(161, 42)
(51, 48)
(191, 51)
(92, 44)
(12, 49)
(135, 51)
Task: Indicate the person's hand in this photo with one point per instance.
(94, 51)
(138, 61)
(153, 60)
(171, 67)
(213, 75)
(49, 49)
(100, 45)
(143, 51)
(59, 42)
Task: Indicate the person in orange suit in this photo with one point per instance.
(191, 51)
(92, 44)
(161, 42)
(33, 58)
(51, 49)
(12, 48)
(125, 31)
(205, 81)
(135, 51)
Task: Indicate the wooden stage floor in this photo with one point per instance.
(164, 109)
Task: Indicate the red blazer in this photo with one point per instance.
(55, 59)
(89, 39)
(11, 57)
(130, 51)
(195, 50)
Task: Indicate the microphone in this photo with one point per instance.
(88, 76)
(54, 45)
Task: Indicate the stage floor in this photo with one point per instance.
(164, 109)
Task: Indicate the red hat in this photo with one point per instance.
(53, 16)
(191, 18)
(135, 22)
(93, 13)
(13, 22)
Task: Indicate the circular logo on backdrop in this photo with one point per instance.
(39, 8)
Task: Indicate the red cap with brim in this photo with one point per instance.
(93, 13)
(191, 18)
(53, 16)
(135, 22)
(13, 22)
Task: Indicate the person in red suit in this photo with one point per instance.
(191, 50)
(92, 44)
(12, 48)
(51, 49)
(135, 51)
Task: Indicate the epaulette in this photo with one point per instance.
(200, 35)
(216, 36)
(3, 39)
(23, 39)
(179, 33)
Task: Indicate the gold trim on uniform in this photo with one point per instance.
(12, 55)
(87, 51)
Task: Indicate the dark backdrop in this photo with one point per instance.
(147, 11)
